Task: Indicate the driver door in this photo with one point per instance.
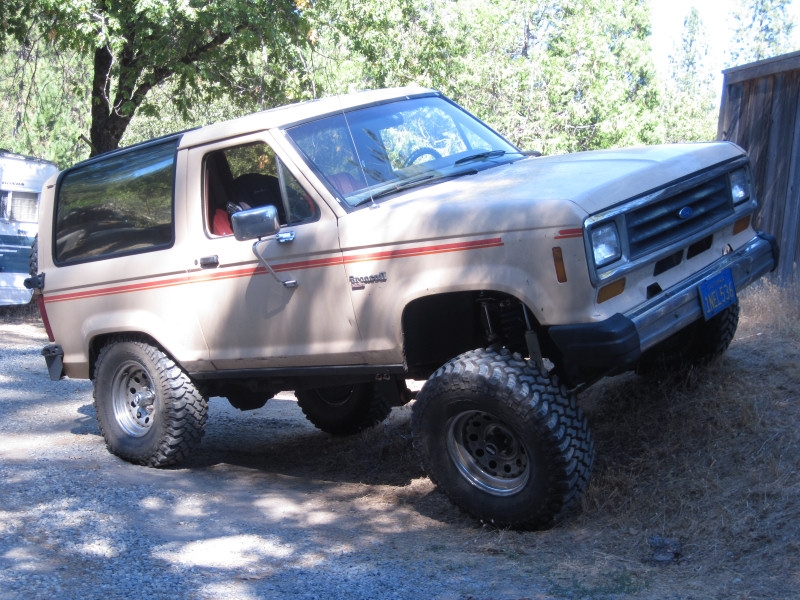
(250, 318)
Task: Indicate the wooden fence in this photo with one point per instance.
(760, 111)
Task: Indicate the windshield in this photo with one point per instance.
(373, 152)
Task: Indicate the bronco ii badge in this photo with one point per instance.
(359, 283)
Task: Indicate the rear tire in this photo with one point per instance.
(344, 409)
(503, 441)
(149, 411)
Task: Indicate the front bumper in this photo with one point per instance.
(619, 341)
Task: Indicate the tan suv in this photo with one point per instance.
(340, 247)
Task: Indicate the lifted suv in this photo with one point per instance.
(340, 247)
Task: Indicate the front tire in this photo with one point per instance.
(503, 441)
(149, 411)
(344, 409)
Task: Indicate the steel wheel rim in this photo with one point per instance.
(487, 453)
(133, 398)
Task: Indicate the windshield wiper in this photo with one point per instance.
(397, 187)
(480, 156)
(414, 182)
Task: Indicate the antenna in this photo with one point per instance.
(358, 155)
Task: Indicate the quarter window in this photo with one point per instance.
(116, 205)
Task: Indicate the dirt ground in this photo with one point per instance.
(694, 495)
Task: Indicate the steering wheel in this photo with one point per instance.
(419, 152)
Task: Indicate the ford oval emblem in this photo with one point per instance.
(685, 212)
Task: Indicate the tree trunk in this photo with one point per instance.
(107, 125)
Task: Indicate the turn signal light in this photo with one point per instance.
(741, 225)
(558, 261)
(610, 291)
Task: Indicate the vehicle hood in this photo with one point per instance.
(596, 180)
(550, 191)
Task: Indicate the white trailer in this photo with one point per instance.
(21, 182)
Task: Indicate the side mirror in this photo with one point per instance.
(255, 223)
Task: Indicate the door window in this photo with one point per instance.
(249, 176)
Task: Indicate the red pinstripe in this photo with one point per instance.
(568, 233)
(290, 266)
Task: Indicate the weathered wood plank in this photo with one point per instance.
(760, 111)
(789, 194)
(730, 109)
(764, 68)
(758, 120)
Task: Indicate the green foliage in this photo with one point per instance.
(762, 29)
(689, 104)
(43, 102)
(358, 44)
(552, 75)
(598, 76)
(208, 50)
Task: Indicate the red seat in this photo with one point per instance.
(221, 224)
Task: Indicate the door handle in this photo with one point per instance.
(285, 237)
(209, 262)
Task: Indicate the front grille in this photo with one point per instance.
(656, 225)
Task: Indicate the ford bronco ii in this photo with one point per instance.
(343, 246)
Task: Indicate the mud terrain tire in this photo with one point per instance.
(506, 443)
(149, 411)
(698, 345)
(33, 257)
(344, 409)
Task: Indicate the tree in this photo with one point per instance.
(600, 74)
(552, 75)
(689, 102)
(43, 103)
(358, 44)
(13, 16)
(207, 50)
(762, 29)
(559, 75)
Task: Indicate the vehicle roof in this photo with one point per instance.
(268, 119)
(295, 113)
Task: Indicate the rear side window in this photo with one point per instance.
(118, 205)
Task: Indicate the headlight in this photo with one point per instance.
(740, 185)
(605, 244)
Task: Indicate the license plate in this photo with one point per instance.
(717, 293)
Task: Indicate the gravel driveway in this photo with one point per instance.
(269, 508)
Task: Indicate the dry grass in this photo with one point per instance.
(710, 458)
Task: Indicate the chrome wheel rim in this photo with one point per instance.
(487, 453)
(133, 398)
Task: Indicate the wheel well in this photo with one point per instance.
(437, 328)
(99, 341)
